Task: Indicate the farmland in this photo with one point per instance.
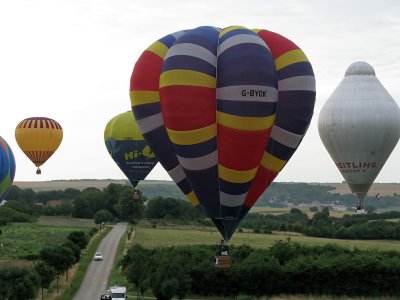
(153, 236)
(384, 189)
(24, 239)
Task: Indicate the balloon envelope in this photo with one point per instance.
(7, 169)
(359, 125)
(38, 138)
(224, 110)
(128, 148)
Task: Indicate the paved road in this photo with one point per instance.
(95, 281)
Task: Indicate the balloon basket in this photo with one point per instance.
(223, 261)
(38, 171)
(136, 195)
(222, 258)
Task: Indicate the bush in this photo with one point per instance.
(32, 257)
(286, 268)
(92, 232)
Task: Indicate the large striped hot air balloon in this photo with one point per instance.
(7, 169)
(38, 138)
(223, 110)
(128, 148)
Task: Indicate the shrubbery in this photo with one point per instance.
(285, 268)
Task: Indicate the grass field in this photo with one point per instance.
(20, 239)
(156, 237)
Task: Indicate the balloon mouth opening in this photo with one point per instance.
(38, 171)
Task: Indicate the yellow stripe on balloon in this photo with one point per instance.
(245, 123)
(236, 176)
(272, 163)
(187, 77)
(195, 136)
(289, 58)
(144, 97)
(193, 198)
(229, 29)
(159, 49)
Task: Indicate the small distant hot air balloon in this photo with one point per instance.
(38, 138)
(223, 110)
(7, 169)
(359, 126)
(128, 148)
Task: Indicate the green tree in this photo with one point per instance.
(71, 194)
(137, 265)
(102, 216)
(89, 201)
(111, 194)
(75, 249)
(260, 274)
(79, 238)
(81, 209)
(167, 282)
(47, 275)
(61, 258)
(170, 208)
(18, 283)
(129, 209)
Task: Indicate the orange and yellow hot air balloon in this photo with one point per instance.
(38, 138)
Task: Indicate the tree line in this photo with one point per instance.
(285, 268)
(114, 202)
(118, 202)
(278, 194)
(361, 227)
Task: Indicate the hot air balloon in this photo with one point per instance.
(223, 110)
(38, 138)
(359, 125)
(7, 169)
(128, 148)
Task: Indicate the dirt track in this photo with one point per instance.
(95, 281)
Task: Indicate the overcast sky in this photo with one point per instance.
(71, 60)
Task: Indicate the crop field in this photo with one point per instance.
(384, 189)
(21, 239)
(65, 222)
(158, 237)
(283, 210)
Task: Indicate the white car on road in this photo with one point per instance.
(98, 256)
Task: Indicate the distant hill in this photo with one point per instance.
(79, 184)
(385, 189)
(150, 188)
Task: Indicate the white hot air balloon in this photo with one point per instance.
(359, 126)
